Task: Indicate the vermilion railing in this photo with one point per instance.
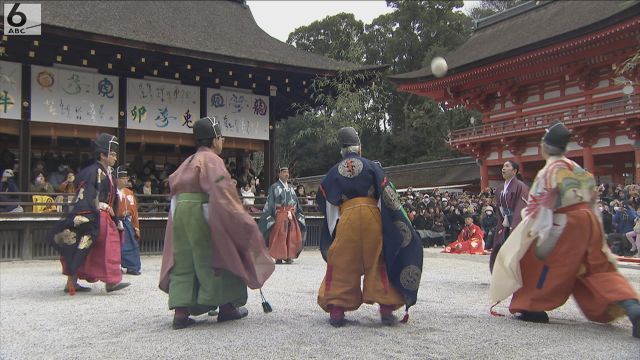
(526, 123)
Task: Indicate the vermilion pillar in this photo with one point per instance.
(484, 173)
(586, 139)
(618, 169)
(587, 157)
(519, 161)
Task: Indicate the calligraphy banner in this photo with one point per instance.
(73, 97)
(241, 115)
(162, 106)
(10, 90)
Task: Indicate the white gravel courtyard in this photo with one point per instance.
(450, 321)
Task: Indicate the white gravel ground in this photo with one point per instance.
(450, 321)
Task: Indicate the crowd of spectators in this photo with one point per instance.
(620, 209)
(438, 216)
(53, 175)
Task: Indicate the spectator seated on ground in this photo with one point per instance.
(421, 222)
(437, 235)
(618, 244)
(489, 221)
(470, 240)
(624, 217)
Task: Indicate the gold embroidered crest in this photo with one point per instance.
(65, 237)
(405, 231)
(85, 242)
(391, 198)
(350, 168)
(79, 220)
(410, 277)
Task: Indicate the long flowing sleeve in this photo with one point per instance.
(134, 211)
(546, 196)
(300, 217)
(267, 218)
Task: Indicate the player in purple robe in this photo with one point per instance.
(511, 198)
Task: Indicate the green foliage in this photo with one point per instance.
(490, 7)
(342, 101)
(628, 66)
(410, 34)
(335, 36)
(395, 128)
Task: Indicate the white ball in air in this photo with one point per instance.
(439, 66)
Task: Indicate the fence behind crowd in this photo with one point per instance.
(23, 230)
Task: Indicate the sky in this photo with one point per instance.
(280, 18)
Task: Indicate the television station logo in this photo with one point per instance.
(22, 19)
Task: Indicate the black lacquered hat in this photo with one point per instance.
(121, 172)
(207, 128)
(557, 135)
(106, 143)
(348, 136)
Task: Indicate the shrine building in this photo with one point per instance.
(536, 63)
(145, 71)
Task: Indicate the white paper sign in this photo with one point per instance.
(10, 90)
(241, 115)
(73, 97)
(162, 106)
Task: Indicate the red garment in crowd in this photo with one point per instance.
(470, 241)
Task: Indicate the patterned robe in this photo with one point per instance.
(128, 214)
(558, 249)
(357, 177)
(87, 237)
(282, 222)
(235, 238)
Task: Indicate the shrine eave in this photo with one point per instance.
(201, 55)
(436, 87)
(224, 31)
(539, 25)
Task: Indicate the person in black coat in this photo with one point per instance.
(489, 222)
(8, 186)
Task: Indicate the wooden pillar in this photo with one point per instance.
(25, 132)
(122, 121)
(587, 158)
(484, 174)
(269, 146)
(618, 169)
(586, 139)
